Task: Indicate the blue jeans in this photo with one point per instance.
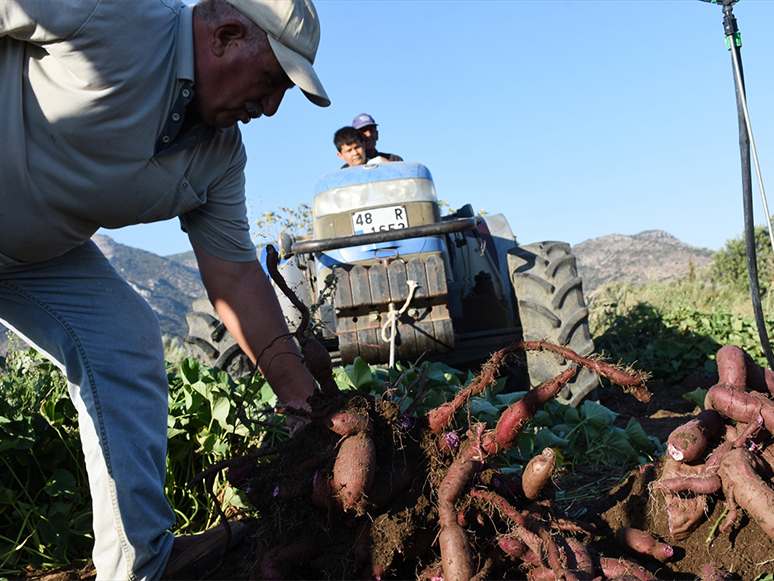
(78, 312)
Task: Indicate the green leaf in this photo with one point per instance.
(62, 483)
(483, 407)
(268, 396)
(54, 530)
(597, 415)
(617, 445)
(697, 396)
(189, 369)
(360, 373)
(545, 438)
(571, 415)
(638, 437)
(508, 399)
(221, 406)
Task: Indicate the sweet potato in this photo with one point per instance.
(323, 493)
(685, 514)
(442, 416)
(579, 559)
(702, 479)
(685, 511)
(389, 482)
(710, 572)
(448, 443)
(689, 441)
(513, 419)
(642, 543)
(348, 423)
(622, 567)
(744, 486)
(741, 406)
(354, 469)
(455, 554)
(452, 541)
(738, 370)
(537, 473)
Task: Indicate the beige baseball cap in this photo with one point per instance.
(294, 34)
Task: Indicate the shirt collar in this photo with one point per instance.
(185, 44)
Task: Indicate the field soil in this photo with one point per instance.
(620, 498)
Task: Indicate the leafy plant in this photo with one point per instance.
(211, 417)
(45, 515)
(667, 337)
(45, 506)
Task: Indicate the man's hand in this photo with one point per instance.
(245, 300)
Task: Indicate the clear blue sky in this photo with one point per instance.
(574, 119)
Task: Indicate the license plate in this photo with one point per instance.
(379, 220)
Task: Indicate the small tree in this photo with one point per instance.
(296, 222)
(730, 263)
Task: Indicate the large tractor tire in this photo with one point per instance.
(210, 343)
(551, 307)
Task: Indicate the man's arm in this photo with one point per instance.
(244, 298)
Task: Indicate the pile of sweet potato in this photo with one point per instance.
(726, 450)
(364, 491)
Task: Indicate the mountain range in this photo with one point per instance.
(171, 283)
(652, 255)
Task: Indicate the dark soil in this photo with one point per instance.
(397, 533)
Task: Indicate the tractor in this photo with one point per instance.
(388, 278)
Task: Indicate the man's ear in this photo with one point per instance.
(227, 32)
(341, 157)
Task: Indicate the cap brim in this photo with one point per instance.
(300, 72)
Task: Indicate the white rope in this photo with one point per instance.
(743, 101)
(392, 320)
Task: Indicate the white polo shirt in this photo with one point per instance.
(92, 93)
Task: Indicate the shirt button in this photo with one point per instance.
(165, 139)
(186, 92)
(175, 117)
